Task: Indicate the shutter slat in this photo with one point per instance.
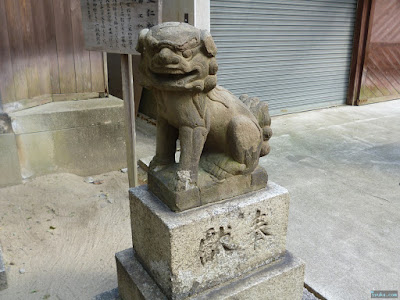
(294, 54)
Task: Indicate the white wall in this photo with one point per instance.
(197, 10)
(202, 14)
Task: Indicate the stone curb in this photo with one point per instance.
(3, 276)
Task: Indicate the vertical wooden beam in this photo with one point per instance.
(360, 100)
(81, 56)
(127, 94)
(359, 50)
(105, 70)
(97, 71)
(39, 27)
(6, 71)
(136, 74)
(31, 45)
(17, 50)
(65, 45)
(51, 46)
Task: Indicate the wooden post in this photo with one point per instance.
(361, 29)
(105, 70)
(127, 94)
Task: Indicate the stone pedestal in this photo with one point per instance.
(208, 188)
(281, 279)
(233, 249)
(3, 276)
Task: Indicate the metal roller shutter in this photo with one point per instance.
(294, 54)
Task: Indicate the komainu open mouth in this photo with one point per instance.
(174, 75)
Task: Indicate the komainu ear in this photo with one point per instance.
(140, 43)
(208, 42)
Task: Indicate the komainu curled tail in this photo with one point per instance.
(260, 111)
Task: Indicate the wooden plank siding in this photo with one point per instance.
(40, 41)
(51, 46)
(381, 72)
(81, 58)
(42, 55)
(6, 73)
(65, 45)
(17, 51)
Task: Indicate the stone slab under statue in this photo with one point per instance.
(207, 190)
(209, 225)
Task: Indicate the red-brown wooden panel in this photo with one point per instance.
(381, 73)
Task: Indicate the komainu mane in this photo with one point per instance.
(218, 131)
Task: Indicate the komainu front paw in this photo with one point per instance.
(157, 164)
(183, 181)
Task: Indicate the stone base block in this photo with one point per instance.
(9, 162)
(282, 279)
(81, 137)
(3, 276)
(194, 250)
(208, 190)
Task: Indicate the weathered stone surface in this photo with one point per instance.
(282, 279)
(67, 115)
(216, 130)
(3, 276)
(5, 123)
(207, 190)
(194, 250)
(82, 137)
(9, 162)
(109, 295)
(133, 280)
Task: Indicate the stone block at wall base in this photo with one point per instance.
(282, 279)
(9, 163)
(81, 137)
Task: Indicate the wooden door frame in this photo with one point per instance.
(362, 29)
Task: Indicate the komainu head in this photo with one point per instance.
(177, 57)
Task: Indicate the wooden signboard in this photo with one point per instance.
(114, 25)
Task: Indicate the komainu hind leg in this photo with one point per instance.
(243, 151)
(245, 141)
(261, 112)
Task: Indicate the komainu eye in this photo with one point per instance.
(187, 53)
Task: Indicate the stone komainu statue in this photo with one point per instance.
(223, 134)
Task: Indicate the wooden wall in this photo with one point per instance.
(42, 54)
(380, 79)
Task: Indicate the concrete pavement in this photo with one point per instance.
(342, 168)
